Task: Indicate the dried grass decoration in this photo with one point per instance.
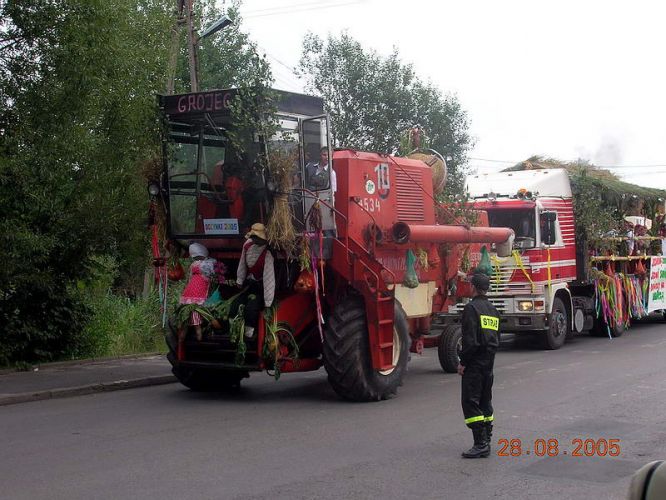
(280, 230)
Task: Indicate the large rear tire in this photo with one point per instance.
(448, 350)
(347, 358)
(559, 326)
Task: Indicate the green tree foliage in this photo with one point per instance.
(78, 117)
(373, 100)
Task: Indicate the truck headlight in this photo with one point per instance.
(525, 305)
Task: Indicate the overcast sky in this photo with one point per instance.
(561, 78)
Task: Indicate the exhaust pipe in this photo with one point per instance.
(406, 233)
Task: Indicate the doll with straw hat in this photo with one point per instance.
(256, 272)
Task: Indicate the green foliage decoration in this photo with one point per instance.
(237, 335)
(278, 334)
(600, 201)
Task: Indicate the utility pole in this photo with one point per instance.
(185, 16)
(192, 42)
(173, 54)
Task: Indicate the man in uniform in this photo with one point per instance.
(318, 175)
(480, 340)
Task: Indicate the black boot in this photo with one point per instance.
(489, 434)
(481, 449)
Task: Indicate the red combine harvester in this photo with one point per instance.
(380, 275)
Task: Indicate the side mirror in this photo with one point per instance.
(548, 228)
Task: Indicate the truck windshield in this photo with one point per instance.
(520, 220)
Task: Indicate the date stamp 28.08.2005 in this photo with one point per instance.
(552, 447)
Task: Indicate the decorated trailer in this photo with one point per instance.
(349, 248)
(560, 277)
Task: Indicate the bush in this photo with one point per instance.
(120, 325)
(40, 322)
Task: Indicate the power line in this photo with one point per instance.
(275, 11)
(291, 70)
(286, 7)
(291, 79)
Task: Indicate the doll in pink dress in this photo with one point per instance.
(196, 291)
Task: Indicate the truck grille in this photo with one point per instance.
(501, 304)
(500, 282)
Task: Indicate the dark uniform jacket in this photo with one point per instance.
(316, 178)
(480, 330)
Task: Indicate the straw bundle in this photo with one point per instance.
(280, 230)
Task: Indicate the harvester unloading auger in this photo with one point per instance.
(347, 302)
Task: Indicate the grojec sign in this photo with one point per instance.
(215, 102)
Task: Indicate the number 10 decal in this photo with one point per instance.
(383, 181)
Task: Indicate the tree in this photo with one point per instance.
(373, 100)
(78, 118)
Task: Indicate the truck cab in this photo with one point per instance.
(531, 285)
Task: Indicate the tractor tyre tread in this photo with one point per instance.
(447, 350)
(347, 353)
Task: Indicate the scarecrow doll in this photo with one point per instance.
(201, 271)
(256, 273)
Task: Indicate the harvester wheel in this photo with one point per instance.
(347, 356)
(559, 326)
(450, 344)
(201, 380)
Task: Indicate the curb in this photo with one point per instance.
(86, 361)
(82, 390)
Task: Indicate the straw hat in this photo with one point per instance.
(258, 230)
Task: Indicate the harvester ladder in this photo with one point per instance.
(367, 276)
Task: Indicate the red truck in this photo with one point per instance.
(543, 286)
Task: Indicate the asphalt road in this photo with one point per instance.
(295, 439)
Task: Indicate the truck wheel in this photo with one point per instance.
(559, 326)
(347, 357)
(450, 344)
(201, 380)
